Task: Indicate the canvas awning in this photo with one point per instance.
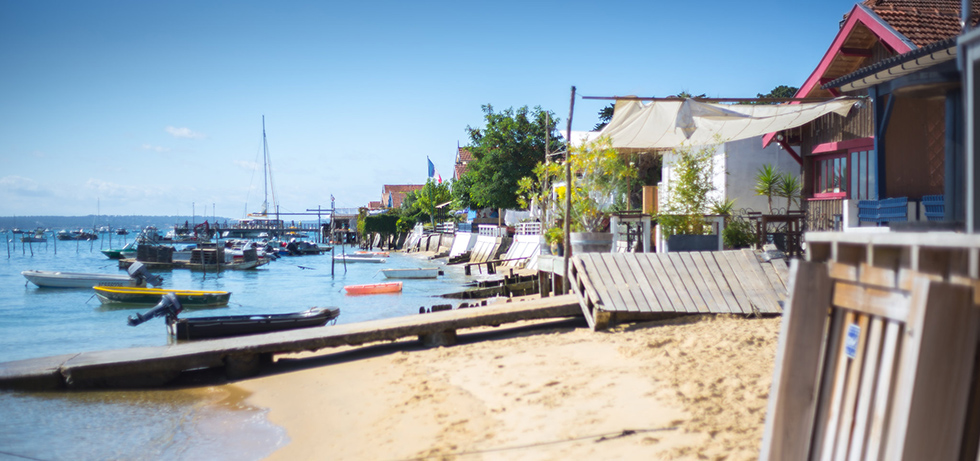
(667, 124)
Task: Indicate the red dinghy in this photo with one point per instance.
(374, 288)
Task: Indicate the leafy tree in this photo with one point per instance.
(781, 91)
(421, 204)
(605, 116)
(460, 189)
(505, 150)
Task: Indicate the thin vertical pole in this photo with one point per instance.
(568, 190)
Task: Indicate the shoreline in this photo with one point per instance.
(686, 388)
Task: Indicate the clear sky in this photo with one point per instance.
(156, 108)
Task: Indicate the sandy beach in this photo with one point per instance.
(693, 387)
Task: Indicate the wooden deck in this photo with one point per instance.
(243, 356)
(628, 285)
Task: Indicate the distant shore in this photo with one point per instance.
(688, 388)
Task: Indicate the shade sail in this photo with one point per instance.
(669, 124)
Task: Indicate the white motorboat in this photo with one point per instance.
(349, 258)
(412, 273)
(55, 279)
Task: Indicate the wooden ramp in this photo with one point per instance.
(631, 285)
(243, 356)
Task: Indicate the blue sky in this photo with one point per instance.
(156, 107)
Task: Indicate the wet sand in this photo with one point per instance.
(688, 388)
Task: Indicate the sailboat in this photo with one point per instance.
(260, 225)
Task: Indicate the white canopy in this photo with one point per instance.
(668, 124)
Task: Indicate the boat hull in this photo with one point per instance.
(53, 279)
(151, 296)
(374, 288)
(421, 273)
(240, 325)
(359, 259)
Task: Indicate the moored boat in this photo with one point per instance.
(188, 298)
(239, 325)
(374, 288)
(354, 258)
(58, 279)
(231, 325)
(373, 253)
(411, 273)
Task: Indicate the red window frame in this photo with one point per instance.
(825, 162)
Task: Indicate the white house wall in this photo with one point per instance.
(735, 165)
(744, 160)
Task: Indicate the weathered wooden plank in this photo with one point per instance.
(751, 265)
(674, 279)
(855, 373)
(715, 272)
(676, 304)
(892, 304)
(789, 419)
(774, 282)
(632, 266)
(865, 399)
(707, 286)
(883, 390)
(580, 284)
(602, 280)
(746, 281)
(838, 383)
(653, 281)
(842, 271)
(685, 278)
(877, 276)
(732, 280)
(624, 279)
(781, 270)
(825, 388)
(932, 387)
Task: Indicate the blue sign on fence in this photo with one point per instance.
(851, 341)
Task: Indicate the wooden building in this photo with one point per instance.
(902, 141)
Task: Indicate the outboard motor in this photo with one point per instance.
(138, 271)
(169, 306)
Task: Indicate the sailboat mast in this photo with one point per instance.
(265, 169)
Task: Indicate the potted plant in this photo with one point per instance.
(599, 175)
(682, 220)
(555, 239)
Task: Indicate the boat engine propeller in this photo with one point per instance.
(138, 271)
(169, 306)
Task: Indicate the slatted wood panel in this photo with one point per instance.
(718, 282)
(871, 369)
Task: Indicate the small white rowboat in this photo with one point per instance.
(53, 279)
(413, 273)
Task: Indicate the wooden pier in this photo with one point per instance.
(243, 356)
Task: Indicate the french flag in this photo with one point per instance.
(433, 173)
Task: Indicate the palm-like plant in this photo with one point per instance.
(766, 182)
(789, 187)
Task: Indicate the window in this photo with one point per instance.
(845, 170)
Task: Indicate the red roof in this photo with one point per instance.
(463, 157)
(921, 21)
(392, 195)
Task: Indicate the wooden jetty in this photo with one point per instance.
(633, 286)
(243, 356)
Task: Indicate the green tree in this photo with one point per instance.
(687, 194)
(505, 150)
(423, 202)
(605, 116)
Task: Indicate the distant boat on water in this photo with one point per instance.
(37, 237)
(76, 235)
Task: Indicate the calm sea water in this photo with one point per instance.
(172, 424)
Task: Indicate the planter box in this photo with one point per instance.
(677, 243)
(591, 242)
